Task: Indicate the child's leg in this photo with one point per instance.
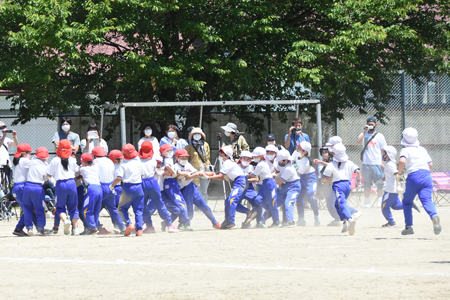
(301, 202)
(342, 190)
(188, 195)
(18, 195)
(157, 203)
(425, 195)
(201, 204)
(269, 192)
(88, 208)
(388, 200)
(109, 200)
(38, 206)
(311, 190)
(124, 205)
(291, 197)
(138, 205)
(81, 205)
(173, 191)
(236, 195)
(411, 189)
(331, 200)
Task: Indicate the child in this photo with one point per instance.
(63, 168)
(271, 154)
(250, 193)
(130, 173)
(231, 171)
(308, 183)
(33, 192)
(116, 156)
(341, 170)
(21, 162)
(80, 197)
(418, 164)
(191, 194)
(267, 187)
(152, 193)
(93, 198)
(172, 197)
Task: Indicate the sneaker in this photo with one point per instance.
(246, 226)
(288, 224)
(19, 232)
(172, 229)
(148, 230)
(224, 223)
(437, 224)
(261, 225)
(76, 231)
(184, 227)
(55, 229)
(103, 231)
(117, 230)
(139, 233)
(67, 227)
(408, 231)
(41, 233)
(345, 227)
(316, 221)
(276, 225)
(391, 224)
(129, 230)
(301, 222)
(228, 226)
(90, 232)
(351, 226)
(250, 216)
(416, 207)
(217, 225)
(367, 205)
(356, 215)
(30, 232)
(334, 223)
(163, 226)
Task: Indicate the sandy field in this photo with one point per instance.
(288, 263)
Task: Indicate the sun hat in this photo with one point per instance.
(410, 137)
(258, 151)
(227, 150)
(146, 150)
(339, 153)
(231, 127)
(246, 153)
(129, 152)
(164, 148)
(64, 149)
(283, 155)
(306, 146)
(333, 141)
(272, 148)
(42, 152)
(86, 157)
(115, 154)
(99, 151)
(391, 152)
(197, 130)
(22, 148)
(181, 152)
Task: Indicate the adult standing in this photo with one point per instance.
(235, 140)
(295, 135)
(172, 138)
(67, 134)
(7, 143)
(373, 143)
(271, 140)
(199, 158)
(92, 140)
(147, 130)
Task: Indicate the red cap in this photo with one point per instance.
(99, 151)
(146, 150)
(164, 148)
(22, 148)
(64, 149)
(181, 152)
(115, 154)
(42, 152)
(129, 152)
(86, 157)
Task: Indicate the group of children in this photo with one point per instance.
(268, 178)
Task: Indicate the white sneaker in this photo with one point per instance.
(104, 212)
(67, 227)
(345, 227)
(367, 205)
(351, 226)
(76, 232)
(357, 214)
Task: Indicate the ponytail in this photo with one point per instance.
(339, 165)
(16, 160)
(65, 163)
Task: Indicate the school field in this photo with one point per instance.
(287, 263)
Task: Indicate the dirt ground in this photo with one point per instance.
(288, 263)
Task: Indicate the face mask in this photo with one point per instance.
(282, 163)
(148, 132)
(160, 171)
(227, 133)
(65, 128)
(197, 137)
(257, 160)
(171, 134)
(270, 143)
(270, 157)
(183, 162)
(169, 154)
(245, 163)
(221, 159)
(28, 156)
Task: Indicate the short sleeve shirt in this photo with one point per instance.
(390, 169)
(262, 170)
(372, 155)
(231, 169)
(344, 172)
(186, 168)
(73, 137)
(288, 173)
(295, 140)
(417, 158)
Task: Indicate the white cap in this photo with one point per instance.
(258, 151)
(391, 152)
(306, 146)
(333, 141)
(227, 150)
(339, 153)
(246, 153)
(272, 148)
(283, 155)
(410, 136)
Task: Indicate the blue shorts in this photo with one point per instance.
(371, 174)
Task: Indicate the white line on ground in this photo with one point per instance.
(206, 265)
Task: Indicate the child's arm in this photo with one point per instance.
(169, 170)
(318, 161)
(116, 181)
(218, 176)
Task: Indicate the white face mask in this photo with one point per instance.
(221, 159)
(65, 128)
(245, 163)
(171, 134)
(197, 137)
(270, 157)
(227, 133)
(148, 132)
(160, 171)
(257, 160)
(271, 143)
(169, 154)
(183, 162)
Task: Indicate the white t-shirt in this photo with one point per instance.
(288, 173)
(343, 173)
(106, 169)
(372, 155)
(319, 169)
(160, 179)
(262, 170)
(21, 170)
(154, 142)
(417, 158)
(90, 174)
(56, 169)
(390, 169)
(169, 162)
(149, 167)
(131, 171)
(248, 169)
(92, 145)
(4, 154)
(186, 168)
(272, 165)
(37, 172)
(231, 169)
(303, 165)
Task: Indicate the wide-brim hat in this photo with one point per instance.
(391, 153)
(410, 137)
(197, 130)
(146, 150)
(339, 153)
(231, 127)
